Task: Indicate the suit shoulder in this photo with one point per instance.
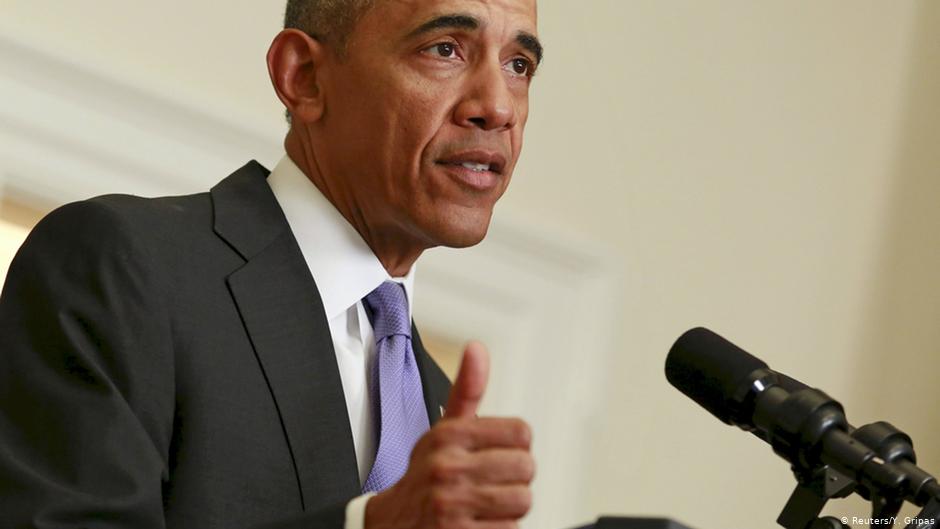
(113, 228)
(170, 212)
(108, 217)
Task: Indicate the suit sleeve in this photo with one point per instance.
(86, 383)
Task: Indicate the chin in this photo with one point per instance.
(461, 232)
(465, 240)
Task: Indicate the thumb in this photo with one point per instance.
(470, 384)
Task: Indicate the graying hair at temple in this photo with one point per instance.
(328, 20)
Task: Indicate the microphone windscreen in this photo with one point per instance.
(710, 370)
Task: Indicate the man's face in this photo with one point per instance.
(424, 116)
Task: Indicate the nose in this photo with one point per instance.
(488, 103)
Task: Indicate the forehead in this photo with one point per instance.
(403, 15)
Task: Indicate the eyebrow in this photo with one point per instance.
(531, 43)
(453, 21)
(469, 22)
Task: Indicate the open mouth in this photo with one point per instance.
(477, 167)
(478, 161)
(479, 177)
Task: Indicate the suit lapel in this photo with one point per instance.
(283, 315)
(434, 382)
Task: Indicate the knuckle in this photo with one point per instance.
(441, 523)
(488, 496)
(522, 432)
(444, 468)
(524, 499)
(515, 500)
(527, 468)
(444, 434)
(440, 504)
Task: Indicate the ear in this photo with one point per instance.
(294, 63)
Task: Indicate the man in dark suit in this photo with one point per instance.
(202, 361)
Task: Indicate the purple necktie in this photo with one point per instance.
(396, 385)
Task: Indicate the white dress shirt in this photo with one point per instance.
(345, 271)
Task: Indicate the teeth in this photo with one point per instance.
(476, 166)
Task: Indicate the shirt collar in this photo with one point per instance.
(342, 264)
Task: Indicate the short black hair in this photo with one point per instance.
(330, 21)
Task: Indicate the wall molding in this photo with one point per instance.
(67, 132)
(542, 300)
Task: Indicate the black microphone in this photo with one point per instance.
(802, 424)
(716, 374)
(720, 376)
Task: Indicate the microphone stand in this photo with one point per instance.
(897, 448)
(816, 486)
(808, 428)
(928, 516)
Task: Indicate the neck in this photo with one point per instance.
(394, 248)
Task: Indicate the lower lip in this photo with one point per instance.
(477, 180)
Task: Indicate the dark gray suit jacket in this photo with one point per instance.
(167, 363)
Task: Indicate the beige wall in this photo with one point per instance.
(16, 218)
(768, 169)
(11, 237)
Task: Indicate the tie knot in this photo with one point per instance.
(388, 309)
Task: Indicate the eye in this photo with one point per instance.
(447, 50)
(521, 66)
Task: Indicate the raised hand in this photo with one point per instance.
(466, 472)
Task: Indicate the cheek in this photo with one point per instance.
(422, 121)
(428, 112)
